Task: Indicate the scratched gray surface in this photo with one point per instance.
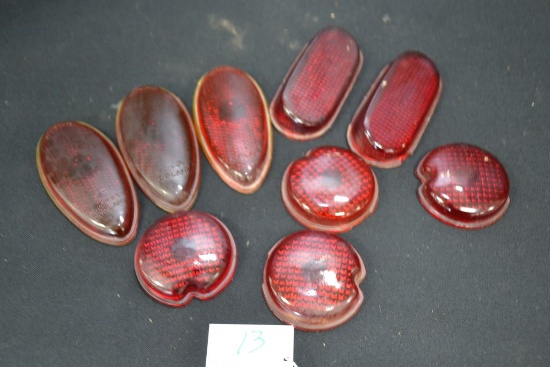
(434, 295)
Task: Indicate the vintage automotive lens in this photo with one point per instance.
(157, 140)
(185, 255)
(395, 112)
(311, 280)
(232, 123)
(463, 186)
(85, 176)
(331, 189)
(317, 85)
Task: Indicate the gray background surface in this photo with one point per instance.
(435, 295)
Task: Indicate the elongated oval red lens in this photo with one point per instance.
(317, 85)
(157, 140)
(84, 175)
(311, 280)
(185, 255)
(331, 189)
(463, 186)
(395, 112)
(232, 123)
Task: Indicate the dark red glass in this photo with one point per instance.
(84, 175)
(157, 140)
(463, 186)
(232, 123)
(311, 280)
(395, 112)
(331, 189)
(317, 85)
(185, 255)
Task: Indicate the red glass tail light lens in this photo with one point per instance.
(185, 255)
(331, 189)
(395, 112)
(317, 85)
(463, 186)
(232, 122)
(84, 175)
(311, 280)
(157, 140)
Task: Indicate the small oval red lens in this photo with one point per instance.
(311, 280)
(463, 186)
(317, 85)
(394, 114)
(331, 189)
(157, 140)
(185, 255)
(84, 175)
(232, 122)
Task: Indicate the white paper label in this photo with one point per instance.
(250, 346)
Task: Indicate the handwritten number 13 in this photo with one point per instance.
(257, 340)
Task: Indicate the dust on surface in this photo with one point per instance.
(222, 24)
(285, 39)
(310, 18)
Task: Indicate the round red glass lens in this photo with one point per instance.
(331, 189)
(463, 186)
(185, 255)
(311, 280)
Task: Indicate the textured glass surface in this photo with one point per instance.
(185, 255)
(85, 176)
(311, 280)
(394, 114)
(157, 140)
(317, 85)
(232, 122)
(331, 189)
(463, 186)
